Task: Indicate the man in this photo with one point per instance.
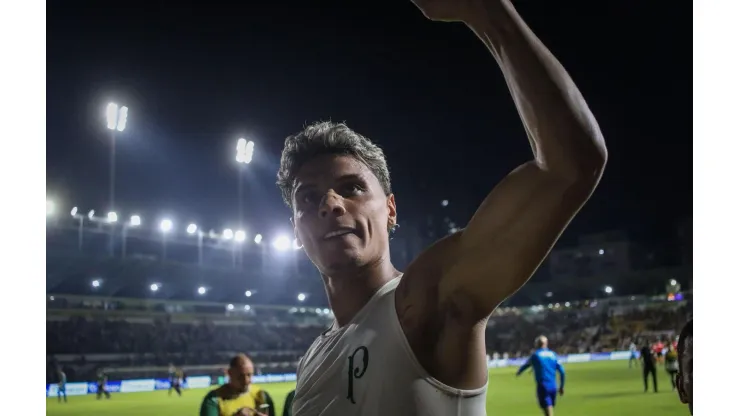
(62, 386)
(176, 380)
(545, 364)
(415, 345)
(238, 397)
(647, 356)
(685, 379)
(633, 353)
(671, 365)
(102, 385)
(658, 348)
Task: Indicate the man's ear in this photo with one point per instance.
(392, 213)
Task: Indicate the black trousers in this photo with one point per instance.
(646, 371)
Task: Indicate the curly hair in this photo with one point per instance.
(328, 138)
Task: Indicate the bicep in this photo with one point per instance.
(510, 235)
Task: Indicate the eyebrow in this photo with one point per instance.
(303, 186)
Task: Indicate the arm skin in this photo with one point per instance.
(449, 291)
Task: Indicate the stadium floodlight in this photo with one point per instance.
(445, 202)
(165, 225)
(258, 239)
(192, 228)
(608, 289)
(244, 151)
(301, 297)
(296, 246)
(247, 307)
(112, 217)
(673, 282)
(227, 234)
(248, 293)
(49, 207)
(601, 252)
(326, 311)
(133, 222)
(567, 304)
(230, 307)
(282, 243)
(91, 214)
(154, 287)
(201, 290)
(73, 212)
(96, 283)
(116, 117)
(240, 236)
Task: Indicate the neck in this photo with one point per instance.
(349, 291)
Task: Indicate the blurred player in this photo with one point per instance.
(102, 385)
(238, 397)
(685, 379)
(633, 353)
(176, 380)
(647, 356)
(62, 386)
(545, 364)
(658, 348)
(671, 365)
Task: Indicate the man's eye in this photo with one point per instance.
(310, 198)
(353, 189)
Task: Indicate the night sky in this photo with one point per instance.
(198, 75)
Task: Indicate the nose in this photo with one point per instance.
(332, 204)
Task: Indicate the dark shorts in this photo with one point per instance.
(546, 397)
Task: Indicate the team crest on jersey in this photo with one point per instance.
(358, 362)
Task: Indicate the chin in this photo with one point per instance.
(341, 263)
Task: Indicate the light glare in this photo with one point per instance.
(165, 225)
(135, 221)
(228, 234)
(240, 236)
(192, 228)
(282, 243)
(111, 115)
(258, 238)
(112, 217)
(301, 297)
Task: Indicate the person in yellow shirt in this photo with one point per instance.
(238, 397)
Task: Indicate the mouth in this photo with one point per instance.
(338, 233)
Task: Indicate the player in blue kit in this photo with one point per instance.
(545, 364)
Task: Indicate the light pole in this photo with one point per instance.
(244, 154)
(165, 226)
(193, 229)
(116, 122)
(133, 222)
(81, 221)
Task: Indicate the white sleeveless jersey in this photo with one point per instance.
(367, 368)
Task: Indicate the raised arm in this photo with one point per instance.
(460, 280)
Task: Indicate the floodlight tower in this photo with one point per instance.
(116, 118)
(244, 154)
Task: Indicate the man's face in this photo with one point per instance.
(240, 377)
(341, 214)
(686, 376)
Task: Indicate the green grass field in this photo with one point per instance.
(592, 389)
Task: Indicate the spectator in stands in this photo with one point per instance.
(685, 378)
